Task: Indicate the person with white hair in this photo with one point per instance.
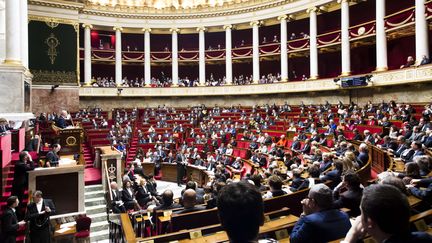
(363, 156)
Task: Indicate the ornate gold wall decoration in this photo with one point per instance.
(52, 24)
(52, 43)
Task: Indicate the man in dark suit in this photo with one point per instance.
(61, 121)
(319, 221)
(181, 163)
(296, 145)
(334, 175)
(52, 157)
(326, 163)
(189, 200)
(116, 203)
(38, 215)
(385, 214)
(363, 156)
(348, 194)
(20, 182)
(401, 146)
(298, 183)
(9, 221)
(167, 201)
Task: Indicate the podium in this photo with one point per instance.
(64, 185)
(70, 140)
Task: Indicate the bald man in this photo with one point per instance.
(167, 201)
(116, 203)
(189, 200)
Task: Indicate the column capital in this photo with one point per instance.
(117, 28)
(345, 1)
(87, 26)
(256, 22)
(282, 17)
(177, 30)
(146, 30)
(312, 10)
(202, 28)
(227, 26)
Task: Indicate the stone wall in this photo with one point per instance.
(62, 98)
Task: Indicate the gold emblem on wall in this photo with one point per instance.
(112, 172)
(52, 43)
(71, 141)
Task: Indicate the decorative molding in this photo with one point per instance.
(174, 30)
(118, 28)
(52, 20)
(147, 30)
(54, 77)
(227, 26)
(87, 26)
(421, 74)
(201, 29)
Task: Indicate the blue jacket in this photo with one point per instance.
(322, 226)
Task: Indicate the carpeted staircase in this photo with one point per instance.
(92, 175)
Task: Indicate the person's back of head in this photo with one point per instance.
(322, 196)
(241, 211)
(191, 185)
(167, 197)
(385, 211)
(189, 198)
(275, 182)
(396, 182)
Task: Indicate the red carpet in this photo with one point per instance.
(92, 176)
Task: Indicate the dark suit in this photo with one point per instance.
(413, 237)
(9, 226)
(115, 204)
(362, 159)
(296, 145)
(142, 196)
(61, 122)
(40, 223)
(426, 194)
(188, 210)
(128, 199)
(53, 158)
(349, 199)
(298, 184)
(180, 159)
(20, 182)
(321, 226)
(334, 176)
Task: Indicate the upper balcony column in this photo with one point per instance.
(87, 54)
(24, 32)
(284, 47)
(421, 29)
(201, 56)
(147, 59)
(345, 38)
(174, 53)
(118, 56)
(13, 33)
(255, 51)
(313, 46)
(228, 54)
(381, 37)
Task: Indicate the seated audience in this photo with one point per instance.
(385, 214)
(348, 193)
(189, 200)
(319, 221)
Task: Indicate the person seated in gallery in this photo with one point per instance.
(410, 62)
(385, 214)
(319, 222)
(62, 120)
(128, 196)
(425, 60)
(52, 157)
(167, 201)
(275, 183)
(4, 126)
(189, 201)
(348, 193)
(114, 199)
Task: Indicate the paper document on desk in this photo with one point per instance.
(62, 230)
(67, 225)
(67, 161)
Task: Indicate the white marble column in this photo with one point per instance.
(228, 55)
(421, 29)
(87, 54)
(283, 48)
(201, 56)
(147, 58)
(118, 56)
(313, 43)
(2, 30)
(345, 39)
(381, 37)
(174, 52)
(24, 32)
(255, 52)
(13, 33)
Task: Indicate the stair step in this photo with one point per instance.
(99, 235)
(95, 201)
(98, 217)
(99, 226)
(93, 194)
(97, 187)
(95, 209)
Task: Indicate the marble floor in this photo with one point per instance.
(164, 185)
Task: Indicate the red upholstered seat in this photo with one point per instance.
(82, 234)
(83, 227)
